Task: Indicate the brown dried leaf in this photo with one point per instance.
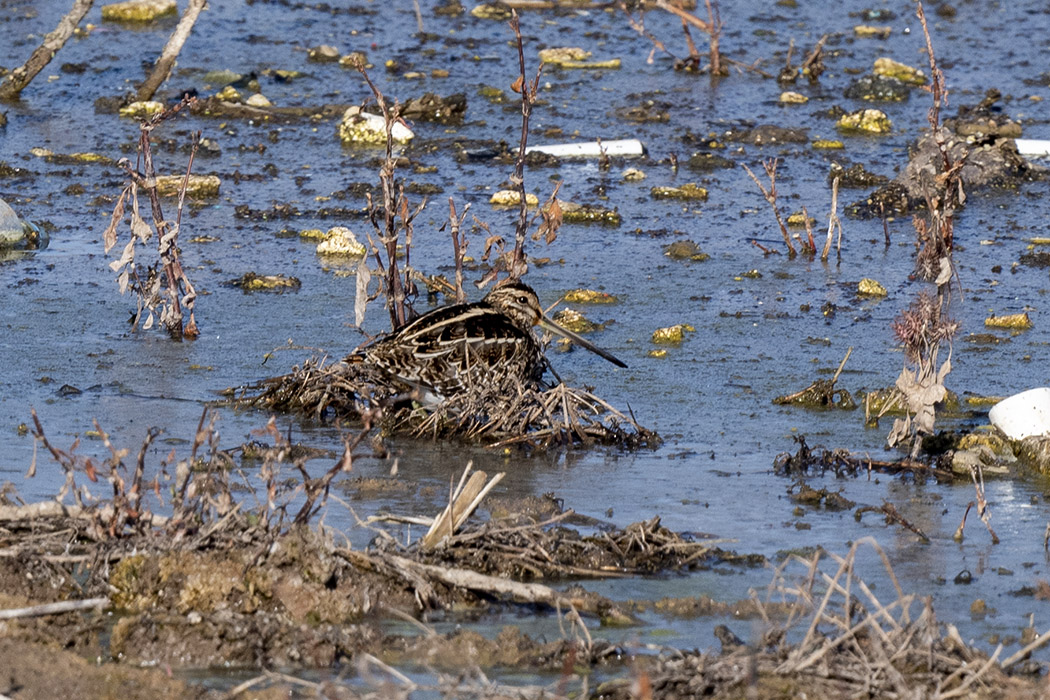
(140, 228)
(109, 236)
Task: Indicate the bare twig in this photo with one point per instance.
(54, 608)
(528, 90)
(459, 245)
(17, 80)
(771, 197)
(166, 60)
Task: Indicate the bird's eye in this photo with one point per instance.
(523, 300)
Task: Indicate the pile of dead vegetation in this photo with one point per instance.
(549, 550)
(220, 581)
(504, 412)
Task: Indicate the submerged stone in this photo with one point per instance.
(856, 175)
(867, 31)
(435, 108)
(688, 191)
(878, 88)
(198, 186)
(572, 212)
(705, 162)
(685, 250)
(252, 282)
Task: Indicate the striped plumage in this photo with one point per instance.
(454, 348)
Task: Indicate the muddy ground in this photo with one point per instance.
(230, 592)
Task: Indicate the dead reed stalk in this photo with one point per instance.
(397, 220)
(925, 326)
(166, 61)
(174, 296)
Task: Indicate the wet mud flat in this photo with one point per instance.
(207, 579)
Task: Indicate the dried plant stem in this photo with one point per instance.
(17, 80)
(771, 196)
(395, 206)
(518, 265)
(459, 245)
(166, 61)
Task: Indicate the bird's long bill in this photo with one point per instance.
(553, 327)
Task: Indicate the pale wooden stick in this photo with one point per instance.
(54, 608)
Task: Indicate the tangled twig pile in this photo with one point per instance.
(505, 412)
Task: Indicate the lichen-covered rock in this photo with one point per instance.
(904, 73)
(672, 335)
(562, 54)
(512, 198)
(574, 213)
(828, 145)
(258, 100)
(1015, 322)
(138, 10)
(868, 287)
(589, 296)
(142, 110)
(799, 220)
(793, 98)
(575, 321)
(341, 241)
(867, 31)
(688, 191)
(198, 186)
(495, 10)
(871, 121)
(357, 127)
(574, 57)
(252, 282)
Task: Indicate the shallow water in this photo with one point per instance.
(64, 323)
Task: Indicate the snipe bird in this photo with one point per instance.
(453, 348)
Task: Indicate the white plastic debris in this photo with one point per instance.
(1033, 147)
(1023, 415)
(591, 149)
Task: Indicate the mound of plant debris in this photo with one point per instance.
(222, 582)
(506, 412)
